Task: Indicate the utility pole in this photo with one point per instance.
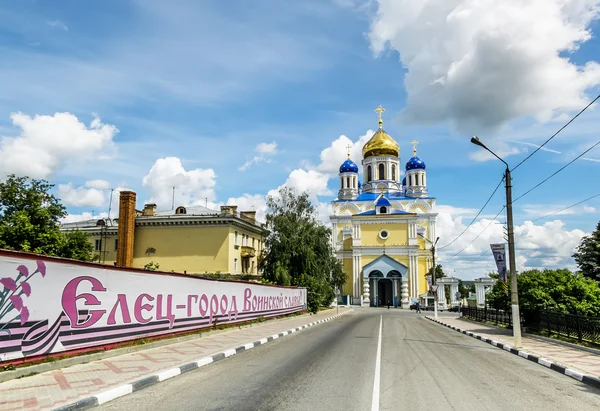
(434, 287)
(514, 293)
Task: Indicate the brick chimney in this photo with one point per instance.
(229, 210)
(126, 228)
(249, 216)
(149, 210)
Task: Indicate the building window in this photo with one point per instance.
(98, 245)
(383, 210)
(180, 210)
(235, 242)
(381, 172)
(369, 174)
(394, 172)
(383, 234)
(252, 242)
(235, 265)
(116, 244)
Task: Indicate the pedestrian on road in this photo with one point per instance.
(418, 307)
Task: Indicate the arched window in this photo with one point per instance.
(381, 171)
(180, 210)
(347, 182)
(383, 210)
(394, 172)
(369, 174)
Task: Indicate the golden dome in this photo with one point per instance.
(381, 144)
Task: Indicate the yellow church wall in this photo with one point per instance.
(421, 276)
(348, 244)
(190, 249)
(347, 288)
(398, 234)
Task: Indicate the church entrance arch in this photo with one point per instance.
(387, 281)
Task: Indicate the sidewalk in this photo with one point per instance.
(571, 359)
(58, 388)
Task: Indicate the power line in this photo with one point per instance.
(475, 218)
(566, 208)
(555, 134)
(556, 172)
(478, 235)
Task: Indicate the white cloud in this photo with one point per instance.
(544, 245)
(58, 25)
(546, 149)
(484, 155)
(46, 143)
(191, 187)
(481, 63)
(80, 196)
(334, 155)
(265, 150)
(98, 184)
(588, 209)
(312, 181)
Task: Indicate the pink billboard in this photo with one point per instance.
(50, 305)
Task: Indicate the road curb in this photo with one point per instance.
(586, 379)
(148, 381)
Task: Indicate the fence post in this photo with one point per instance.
(548, 322)
(496, 317)
(485, 317)
(579, 336)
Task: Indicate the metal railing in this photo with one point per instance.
(492, 315)
(572, 326)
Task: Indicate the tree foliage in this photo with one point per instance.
(554, 290)
(298, 250)
(464, 290)
(30, 220)
(439, 272)
(587, 255)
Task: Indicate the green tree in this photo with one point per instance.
(439, 272)
(298, 250)
(587, 255)
(30, 220)
(464, 290)
(553, 290)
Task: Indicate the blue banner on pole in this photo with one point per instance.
(499, 252)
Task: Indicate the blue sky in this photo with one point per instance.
(201, 85)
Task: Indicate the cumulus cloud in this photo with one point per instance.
(337, 152)
(481, 63)
(91, 194)
(191, 186)
(544, 245)
(265, 151)
(46, 143)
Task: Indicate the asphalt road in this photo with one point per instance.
(422, 366)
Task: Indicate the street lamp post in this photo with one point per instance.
(433, 285)
(514, 293)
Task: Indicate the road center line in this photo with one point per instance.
(375, 401)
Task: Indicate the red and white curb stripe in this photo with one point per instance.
(586, 379)
(125, 389)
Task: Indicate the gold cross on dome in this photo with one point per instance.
(380, 110)
(349, 147)
(414, 144)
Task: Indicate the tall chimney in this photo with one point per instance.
(126, 229)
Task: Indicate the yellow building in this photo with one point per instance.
(380, 226)
(192, 239)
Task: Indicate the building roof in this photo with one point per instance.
(190, 210)
(395, 212)
(383, 202)
(348, 166)
(415, 163)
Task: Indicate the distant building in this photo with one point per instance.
(377, 225)
(192, 239)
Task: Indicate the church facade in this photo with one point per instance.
(381, 227)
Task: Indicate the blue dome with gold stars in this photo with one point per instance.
(415, 163)
(348, 166)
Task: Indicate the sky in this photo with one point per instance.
(228, 101)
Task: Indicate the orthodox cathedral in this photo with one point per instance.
(382, 227)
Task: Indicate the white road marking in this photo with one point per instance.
(375, 401)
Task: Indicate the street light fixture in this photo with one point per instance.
(433, 285)
(514, 294)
